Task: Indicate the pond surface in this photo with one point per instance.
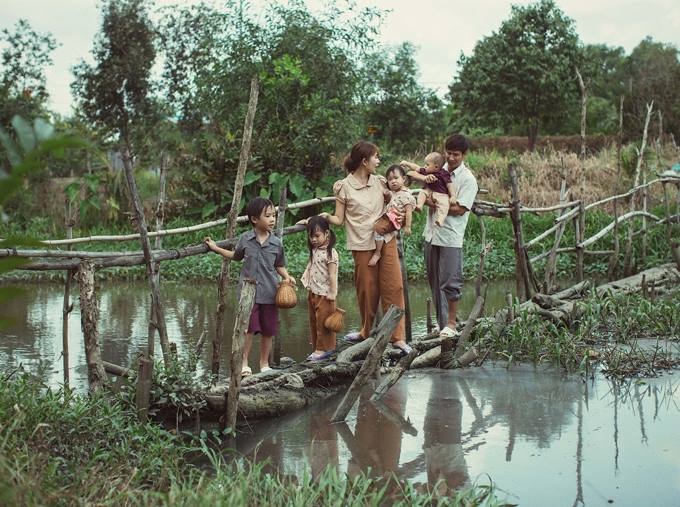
(543, 438)
(34, 338)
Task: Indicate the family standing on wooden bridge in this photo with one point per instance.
(373, 209)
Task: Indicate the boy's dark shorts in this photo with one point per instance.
(264, 319)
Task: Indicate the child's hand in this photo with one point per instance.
(406, 231)
(209, 242)
(291, 280)
(429, 178)
(452, 200)
(301, 222)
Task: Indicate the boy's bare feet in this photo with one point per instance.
(374, 259)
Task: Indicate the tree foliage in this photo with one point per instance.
(25, 55)
(400, 111)
(114, 93)
(523, 75)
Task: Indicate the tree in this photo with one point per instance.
(522, 75)
(24, 57)
(653, 73)
(399, 110)
(115, 93)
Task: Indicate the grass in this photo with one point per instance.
(610, 329)
(59, 448)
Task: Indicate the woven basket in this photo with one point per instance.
(286, 297)
(335, 321)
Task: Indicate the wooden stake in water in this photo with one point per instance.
(231, 225)
(96, 375)
(372, 361)
(245, 306)
(275, 354)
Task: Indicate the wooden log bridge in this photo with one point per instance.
(299, 385)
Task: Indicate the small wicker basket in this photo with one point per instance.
(335, 321)
(286, 297)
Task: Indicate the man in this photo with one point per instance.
(444, 244)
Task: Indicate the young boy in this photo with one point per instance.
(264, 258)
(438, 184)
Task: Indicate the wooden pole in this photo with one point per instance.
(96, 375)
(643, 253)
(580, 225)
(280, 218)
(482, 255)
(158, 245)
(523, 280)
(394, 375)
(67, 305)
(404, 281)
(245, 306)
(372, 361)
(629, 262)
(469, 326)
(138, 212)
(584, 103)
(430, 325)
(551, 264)
(231, 225)
(144, 371)
(619, 143)
(614, 259)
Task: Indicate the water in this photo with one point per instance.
(543, 438)
(34, 338)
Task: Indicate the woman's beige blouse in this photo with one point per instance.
(364, 204)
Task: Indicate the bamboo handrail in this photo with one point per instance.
(607, 228)
(630, 192)
(178, 230)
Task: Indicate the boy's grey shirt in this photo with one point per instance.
(260, 263)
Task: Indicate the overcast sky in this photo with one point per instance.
(440, 29)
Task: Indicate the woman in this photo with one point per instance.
(359, 202)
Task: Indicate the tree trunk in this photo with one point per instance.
(138, 212)
(96, 375)
(584, 102)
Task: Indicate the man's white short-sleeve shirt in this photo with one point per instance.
(452, 231)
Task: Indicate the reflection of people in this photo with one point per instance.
(444, 245)
(377, 438)
(323, 446)
(264, 262)
(444, 454)
(359, 202)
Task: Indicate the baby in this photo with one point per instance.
(402, 201)
(438, 184)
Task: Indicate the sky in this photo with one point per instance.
(440, 29)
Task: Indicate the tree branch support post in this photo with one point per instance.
(371, 363)
(580, 232)
(158, 245)
(522, 269)
(144, 371)
(275, 355)
(404, 281)
(67, 306)
(157, 305)
(245, 306)
(231, 225)
(96, 375)
(551, 264)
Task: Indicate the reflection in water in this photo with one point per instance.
(35, 337)
(451, 428)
